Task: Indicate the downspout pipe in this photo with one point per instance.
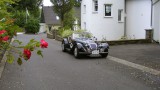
(125, 30)
(151, 12)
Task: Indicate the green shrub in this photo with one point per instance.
(32, 26)
(62, 29)
(66, 33)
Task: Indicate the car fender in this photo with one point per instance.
(79, 45)
(105, 45)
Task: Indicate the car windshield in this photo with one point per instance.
(82, 35)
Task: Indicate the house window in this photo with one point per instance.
(95, 5)
(108, 10)
(84, 9)
(120, 15)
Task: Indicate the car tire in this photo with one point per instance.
(63, 47)
(104, 55)
(76, 53)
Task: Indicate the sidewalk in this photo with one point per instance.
(143, 54)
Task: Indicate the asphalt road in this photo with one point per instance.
(61, 71)
(143, 54)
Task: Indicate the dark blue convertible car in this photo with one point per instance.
(80, 45)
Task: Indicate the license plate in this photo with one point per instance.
(95, 52)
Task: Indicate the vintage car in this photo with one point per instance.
(80, 45)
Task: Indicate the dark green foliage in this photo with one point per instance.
(31, 5)
(20, 18)
(77, 3)
(32, 26)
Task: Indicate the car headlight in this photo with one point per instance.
(86, 45)
(101, 50)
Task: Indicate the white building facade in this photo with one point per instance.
(114, 19)
(156, 20)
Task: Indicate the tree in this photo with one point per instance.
(69, 19)
(31, 5)
(19, 13)
(61, 7)
(77, 3)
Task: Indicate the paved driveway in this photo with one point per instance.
(61, 71)
(143, 54)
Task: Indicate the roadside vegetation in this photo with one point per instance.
(64, 9)
(17, 16)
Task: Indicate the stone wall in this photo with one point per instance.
(149, 37)
(122, 42)
(58, 38)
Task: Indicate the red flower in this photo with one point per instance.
(44, 44)
(5, 38)
(2, 32)
(27, 54)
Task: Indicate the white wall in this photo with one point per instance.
(156, 22)
(138, 14)
(138, 19)
(100, 26)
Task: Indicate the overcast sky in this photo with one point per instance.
(47, 3)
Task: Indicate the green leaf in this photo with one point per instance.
(17, 41)
(10, 58)
(38, 44)
(32, 40)
(39, 52)
(32, 48)
(19, 61)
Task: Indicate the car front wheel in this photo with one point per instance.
(104, 55)
(63, 47)
(76, 53)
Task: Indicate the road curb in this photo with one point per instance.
(134, 65)
(2, 64)
(3, 61)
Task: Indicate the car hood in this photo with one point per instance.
(92, 45)
(85, 41)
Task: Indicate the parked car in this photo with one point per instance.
(80, 45)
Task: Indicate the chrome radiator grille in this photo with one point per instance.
(93, 46)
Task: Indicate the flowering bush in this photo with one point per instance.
(6, 33)
(3, 36)
(32, 25)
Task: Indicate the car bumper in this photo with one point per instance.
(89, 53)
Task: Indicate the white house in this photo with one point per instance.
(156, 20)
(113, 19)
